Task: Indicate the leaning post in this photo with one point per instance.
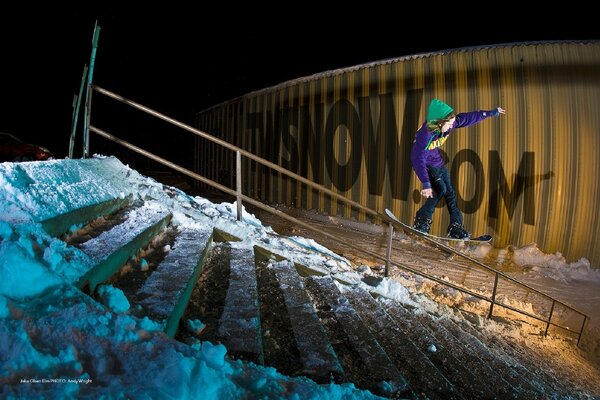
(88, 94)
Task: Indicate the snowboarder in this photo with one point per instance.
(428, 163)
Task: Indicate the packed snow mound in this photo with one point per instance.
(57, 342)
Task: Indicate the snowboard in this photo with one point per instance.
(472, 240)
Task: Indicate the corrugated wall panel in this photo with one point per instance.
(528, 176)
(382, 114)
(327, 97)
(312, 201)
(333, 142)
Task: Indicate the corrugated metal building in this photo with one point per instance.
(530, 176)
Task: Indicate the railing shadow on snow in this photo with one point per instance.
(498, 277)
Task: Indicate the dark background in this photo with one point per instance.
(181, 60)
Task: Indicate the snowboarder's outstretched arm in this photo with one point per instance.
(471, 118)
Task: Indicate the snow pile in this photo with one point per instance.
(56, 342)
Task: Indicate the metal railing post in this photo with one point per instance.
(388, 255)
(549, 318)
(493, 299)
(238, 183)
(585, 318)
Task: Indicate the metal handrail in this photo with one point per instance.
(238, 194)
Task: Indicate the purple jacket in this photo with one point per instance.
(425, 151)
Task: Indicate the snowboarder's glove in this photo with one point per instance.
(427, 193)
(496, 111)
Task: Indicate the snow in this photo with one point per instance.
(57, 342)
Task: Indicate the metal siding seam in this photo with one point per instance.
(248, 173)
(279, 184)
(226, 162)
(243, 138)
(392, 138)
(327, 92)
(381, 117)
(508, 153)
(362, 192)
(299, 199)
(271, 153)
(354, 190)
(483, 82)
(291, 107)
(370, 91)
(406, 209)
(312, 106)
(333, 205)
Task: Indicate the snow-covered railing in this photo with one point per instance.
(386, 259)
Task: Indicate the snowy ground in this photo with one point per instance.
(56, 342)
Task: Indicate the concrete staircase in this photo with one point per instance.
(272, 311)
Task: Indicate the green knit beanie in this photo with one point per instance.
(438, 110)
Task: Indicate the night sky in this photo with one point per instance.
(179, 61)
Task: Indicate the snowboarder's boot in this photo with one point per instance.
(457, 231)
(422, 224)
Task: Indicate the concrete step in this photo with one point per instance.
(167, 291)
(523, 386)
(366, 363)
(319, 360)
(423, 376)
(239, 324)
(207, 302)
(487, 377)
(440, 353)
(521, 362)
(63, 223)
(110, 250)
